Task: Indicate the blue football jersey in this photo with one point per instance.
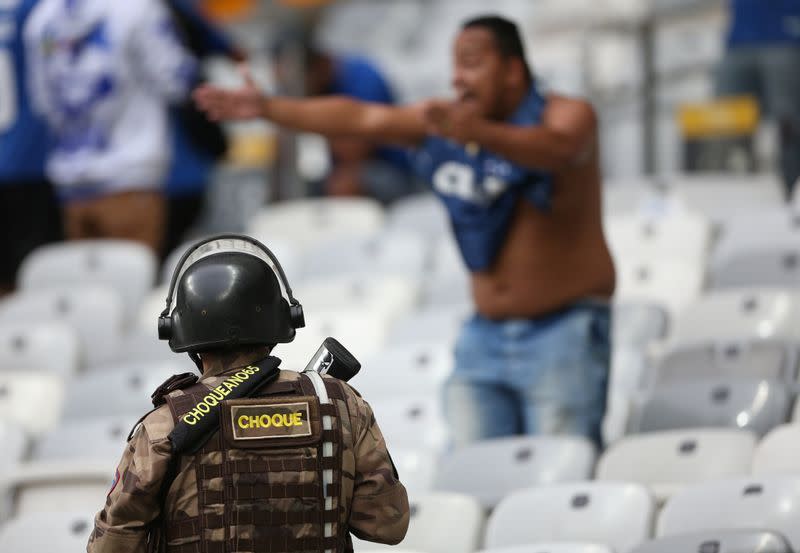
(764, 23)
(23, 137)
(480, 189)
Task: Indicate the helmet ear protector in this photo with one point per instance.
(165, 322)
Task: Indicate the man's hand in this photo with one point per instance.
(220, 104)
(457, 121)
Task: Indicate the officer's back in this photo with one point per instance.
(295, 465)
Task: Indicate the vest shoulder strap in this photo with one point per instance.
(174, 382)
(181, 404)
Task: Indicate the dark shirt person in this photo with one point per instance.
(358, 166)
(519, 173)
(29, 212)
(762, 59)
(197, 145)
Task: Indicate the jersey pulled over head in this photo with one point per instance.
(229, 291)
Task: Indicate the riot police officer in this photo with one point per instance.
(249, 457)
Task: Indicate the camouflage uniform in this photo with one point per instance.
(372, 502)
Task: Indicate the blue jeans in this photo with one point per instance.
(535, 376)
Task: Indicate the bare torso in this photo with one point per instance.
(551, 259)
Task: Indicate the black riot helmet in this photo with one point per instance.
(230, 291)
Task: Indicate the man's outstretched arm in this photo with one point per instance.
(566, 138)
(331, 116)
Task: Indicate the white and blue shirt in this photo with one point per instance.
(480, 189)
(102, 73)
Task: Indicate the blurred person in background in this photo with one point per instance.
(197, 143)
(359, 166)
(519, 173)
(763, 60)
(102, 73)
(29, 214)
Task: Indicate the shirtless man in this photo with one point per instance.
(519, 174)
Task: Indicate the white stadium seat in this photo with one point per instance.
(668, 461)
(774, 221)
(682, 235)
(66, 532)
(361, 331)
(447, 260)
(447, 283)
(414, 421)
(58, 485)
(119, 390)
(31, 401)
(491, 469)
(629, 369)
(768, 257)
(618, 515)
(779, 452)
(671, 282)
(416, 467)
(100, 439)
(628, 197)
(307, 222)
(422, 213)
(14, 444)
(143, 346)
(768, 359)
(392, 253)
(637, 324)
(615, 421)
(125, 266)
(440, 523)
(51, 347)
(439, 325)
(446, 290)
(767, 503)
(560, 547)
(754, 404)
(94, 312)
(724, 197)
(404, 370)
(777, 264)
(720, 541)
(151, 307)
(739, 314)
(392, 296)
(397, 548)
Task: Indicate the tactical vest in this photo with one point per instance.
(260, 478)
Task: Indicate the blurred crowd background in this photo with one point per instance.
(699, 108)
(654, 70)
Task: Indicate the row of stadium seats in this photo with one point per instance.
(683, 336)
(95, 314)
(737, 384)
(317, 239)
(653, 261)
(748, 515)
(666, 462)
(733, 370)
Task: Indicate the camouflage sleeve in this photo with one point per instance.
(133, 501)
(379, 510)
